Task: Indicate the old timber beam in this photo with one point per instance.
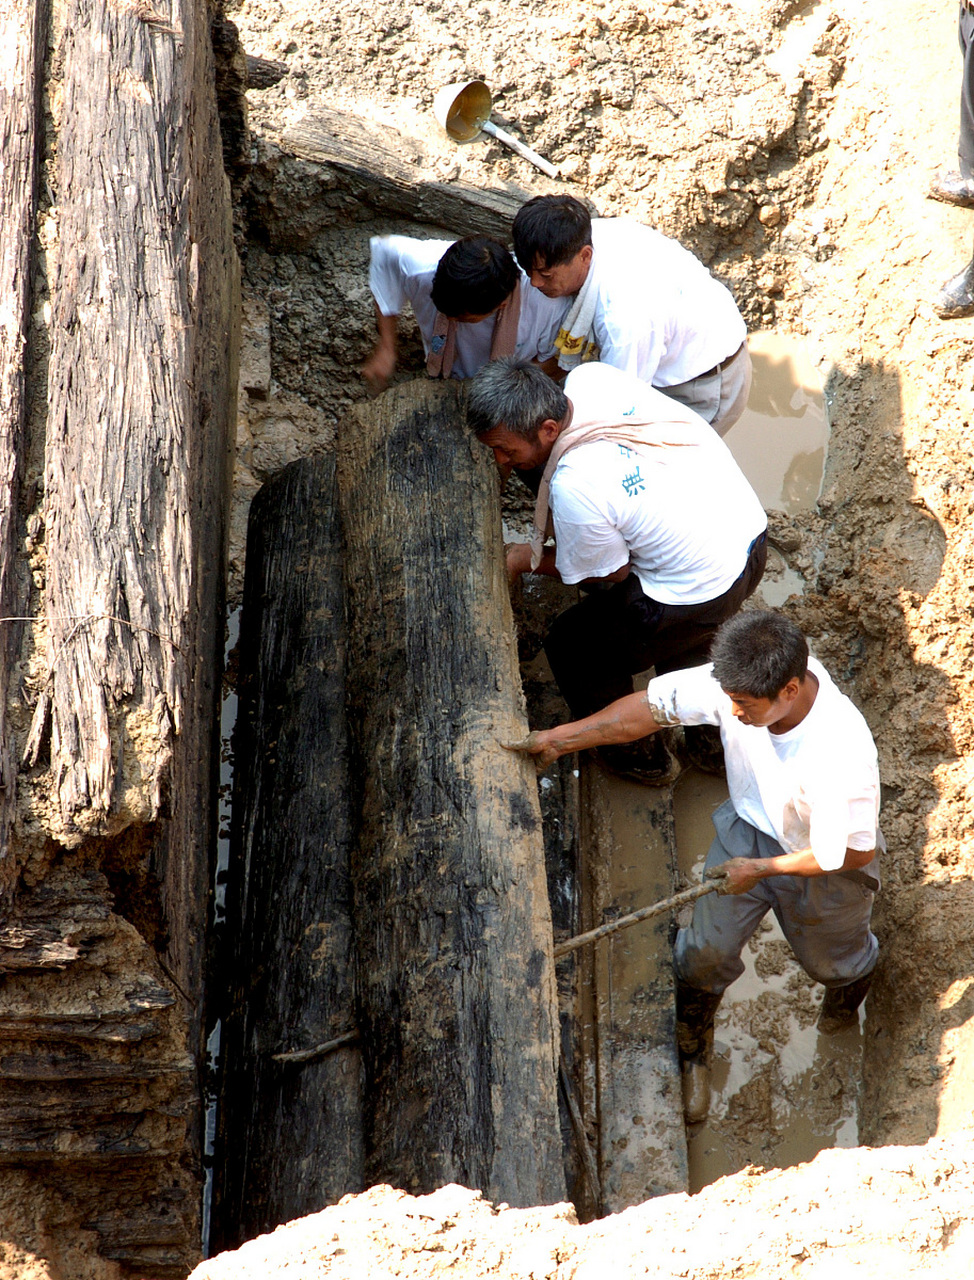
(290, 1133)
(22, 36)
(390, 171)
(103, 938)
(453, 929)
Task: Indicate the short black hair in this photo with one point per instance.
(757, 653)
(549, 230)
(515, 394)
(474, 276)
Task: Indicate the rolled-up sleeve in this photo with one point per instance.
(691, 696)
(396, 262)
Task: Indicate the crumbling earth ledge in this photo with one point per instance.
(891, 1211)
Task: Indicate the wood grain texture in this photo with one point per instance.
(290, 1134)
(138, 404)
(389, 171)
(141, 400)
(21, 39)
(453, 928)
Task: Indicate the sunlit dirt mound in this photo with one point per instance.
(893, 1211)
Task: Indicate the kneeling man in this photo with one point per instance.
(798, 836)
(644, 501)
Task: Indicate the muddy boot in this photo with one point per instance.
(841, 1005)
(956, 299)
(695, 1011)
(648, 761)
(953, 188)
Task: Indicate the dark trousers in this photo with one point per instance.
(965, 149)
(598, 645)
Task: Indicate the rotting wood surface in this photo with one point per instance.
(102, 945)
(21, 40)
(453, 927)
(290, 1133)
(628, 1015)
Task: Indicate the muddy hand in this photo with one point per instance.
(737, 875)
(533, 745)
(379, 368)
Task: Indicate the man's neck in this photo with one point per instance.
(807, 693)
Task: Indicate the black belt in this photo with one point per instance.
(733, 356)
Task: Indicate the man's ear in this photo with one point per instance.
(585, 254)
(549, 431)
(791, 689)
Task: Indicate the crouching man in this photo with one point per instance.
(471, 302)
(644, 500)
(798, 835)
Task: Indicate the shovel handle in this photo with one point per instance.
(503, 136)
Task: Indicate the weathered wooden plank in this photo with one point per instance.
(54, 923)
(455, 973)
(290, 1134)
(21, 42)
(100, 1122)
(43, 1064)
(389, 171)
(633, 1096)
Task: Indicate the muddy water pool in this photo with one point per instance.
(781, 441)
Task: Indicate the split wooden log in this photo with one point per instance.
(22, 41)
(626, 993)
(455, 975)
(387, 170)
(290, 1133)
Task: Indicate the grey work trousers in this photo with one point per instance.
(720, 395)
(825, 918)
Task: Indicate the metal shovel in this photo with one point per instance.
(464, 112)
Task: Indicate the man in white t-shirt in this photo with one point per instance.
(640, 302)
(798, 836)
(645, 501)
(470, 299)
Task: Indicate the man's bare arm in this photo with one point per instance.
(624, 720)
(518, 561)
(381, 364)
(739, 875)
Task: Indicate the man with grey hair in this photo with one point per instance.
(645, 501)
